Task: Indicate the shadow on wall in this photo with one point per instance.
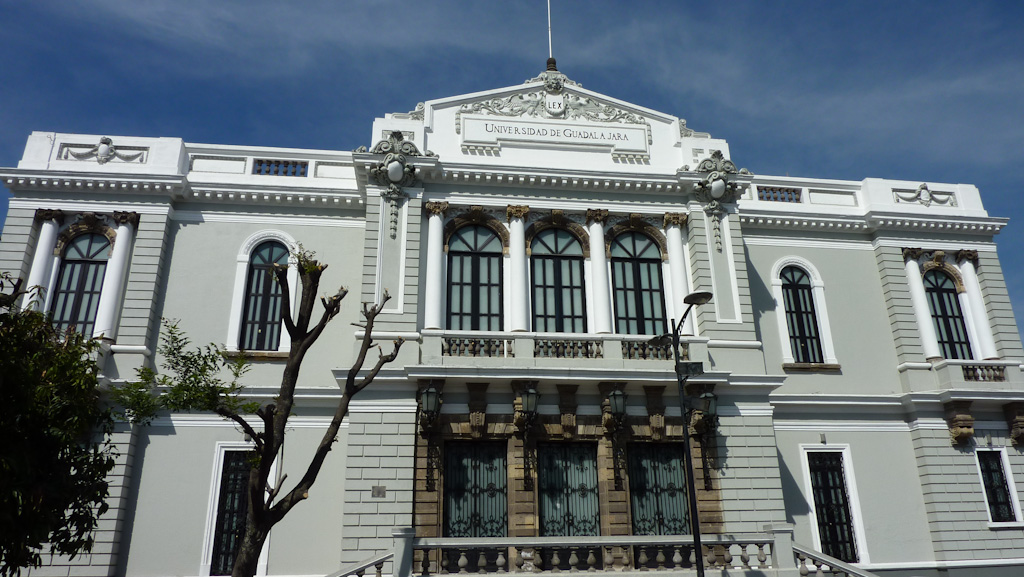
(792, 496)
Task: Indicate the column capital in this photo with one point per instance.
(517, 211)
(597, 215)
(45, 214)
(436, 208)
(913, 253)
(967, 255)
(676, 219)
(131, 218)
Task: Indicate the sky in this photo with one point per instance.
(911, 90)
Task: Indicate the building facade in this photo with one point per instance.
(859, 344)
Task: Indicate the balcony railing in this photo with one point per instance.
(772, 552)
(953, 374)
(480, 344)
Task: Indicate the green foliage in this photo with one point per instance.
(56, 449)
(191, 381)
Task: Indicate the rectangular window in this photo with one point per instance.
(475, 495)
(832, 505)
(998, 485)
(567, 489)
(269, 167)
(232, 509)
(657, 489)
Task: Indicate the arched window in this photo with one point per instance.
(950, 328)
(261, 317)
(474, 280)
(79, 283)
(798, 299)
(637, 284)
(557, 273)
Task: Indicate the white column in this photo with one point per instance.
(602, 303)
(518, 285)
(677, 266)
(919, 299)
(113, 278)
(42, 261)
(433, 290)
(979, 315)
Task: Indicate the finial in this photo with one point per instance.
(551, 65)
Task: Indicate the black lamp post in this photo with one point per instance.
(685, 370)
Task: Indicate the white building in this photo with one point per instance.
(860, 344)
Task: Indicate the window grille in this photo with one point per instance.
(261, 317)
(79, 283)
(232, 509)
(567, 489)
(637, 285)
(474, 280)
(657, 489)
(944, 304)
(558, 292)
(997, 491)
(778, 194)
(268, 167)
(798, 299)
(832, 505)
(475, 499)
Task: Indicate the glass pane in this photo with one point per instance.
(831, 504)
(475, 495)
(657, 486)
(567, 489)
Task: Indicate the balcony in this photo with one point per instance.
(480, 348)
(962, 375)
(758, 554)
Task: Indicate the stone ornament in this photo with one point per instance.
(394, 172)
(715, 188)
(477, 409)
(436, 208)
(45, 214)
(520, 211)
(960, 421)
(922, 195)
(103, 152)
(1014, 413)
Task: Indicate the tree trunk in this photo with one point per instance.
(249, 552)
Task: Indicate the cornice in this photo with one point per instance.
(554, 179)
(874, 223)
(92, 182)
(293, 196)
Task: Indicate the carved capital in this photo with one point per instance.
(519, 211)
(436, 208)
(597, 215)
(45, 214)
(675, 219)
(1015, 422)
(477, 409)
(967, 255)
(912, 253)
(131, 218)
(960, 421)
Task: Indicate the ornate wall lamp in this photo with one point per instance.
(429, 418)
(703, 420)
(524, 417)
(614, 421)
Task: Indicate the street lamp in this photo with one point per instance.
(685, 370)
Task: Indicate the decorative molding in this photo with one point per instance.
(86, 222)
(558, 219)
(636, 222)
(477, 409)
(715, 188)
(937, 260)
(480, 216)
(122, 217)
(687, 132)
(960, 421)
(567, 407)
(520, 211)
(655, 395)
(1014, 413)
(922, 195)
(967, 255)
(103, 152)
(597, 215)
(394, 172)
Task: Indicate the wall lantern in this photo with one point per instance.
(430, 407)
(617, 403)
(530, 397)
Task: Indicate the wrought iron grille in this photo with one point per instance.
(567, 489)
(232, 508)
(475, 502)
(657, 489)
(832, 505)
(268, 167)
(997, 492)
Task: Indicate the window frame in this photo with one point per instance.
(941, 295)
(474, 285)
(1011, 488)
(820, 310)
(633, 263)
(238, 296)
(78, 293)
(221, 448)
(559, 285)
(849, 479)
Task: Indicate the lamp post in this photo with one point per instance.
(685, 370)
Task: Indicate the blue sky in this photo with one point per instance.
(909, 90)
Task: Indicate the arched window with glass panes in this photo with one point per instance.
(944, 304)
(262, 312)
(559, 298)
(474, 280)
(79, 283)
(801, 320)
(637, 285)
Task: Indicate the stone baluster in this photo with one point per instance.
(677, 557)
(555, 561)
(643, 559)
(379, 567)
(762, 558)
(425, 565)
(463, 562)
(574, 559)
(712, 559)
(659, 558)
(609, 558)
(744, 556)
(591, 560)
(499, 562)
(481, 562)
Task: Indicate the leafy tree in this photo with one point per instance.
(192, 381)
(56, 451)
